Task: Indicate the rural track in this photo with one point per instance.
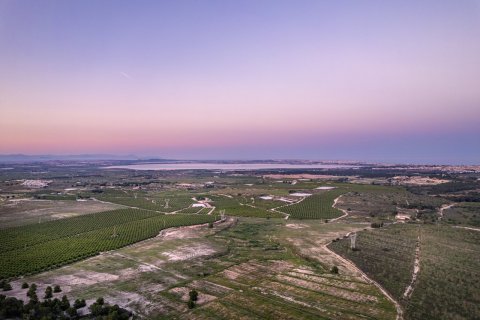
(286, 205)
(352, 267)
(345, 212)
(416, 269)
(443, 208)
(467, 228)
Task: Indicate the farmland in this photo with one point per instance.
(35, 248)
(153, 201)
(316, 206)
(233, 206)
(146, 240)
(449, 277)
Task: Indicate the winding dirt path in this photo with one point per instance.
(443, 208)
(345, 212)
(286, 205)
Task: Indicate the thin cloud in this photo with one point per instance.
(126, 75)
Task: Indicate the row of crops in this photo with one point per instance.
(386, 254)
(33, 234)
(36, 248)
(316, 206)
(156, 202)
(448, 283)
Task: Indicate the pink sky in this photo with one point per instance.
(173, 79)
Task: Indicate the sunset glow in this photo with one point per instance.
(345, 80)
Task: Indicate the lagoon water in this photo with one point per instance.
(228, 166)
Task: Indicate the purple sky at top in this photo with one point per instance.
(395, 81)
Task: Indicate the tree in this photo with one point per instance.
(57, 288)
(79, 303)
(24, 285)
(48, 293)
(7, 287)
(32, 291)
(72, 312)
(193, 295)
(64, 304)
(334, 269)
(191, 304)
(100, 301)
(10, 308)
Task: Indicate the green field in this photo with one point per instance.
(463, 213)
(448, 283)
(35, 248)
(386, 254)
(233, 207)
(316, 206)
(148, 201)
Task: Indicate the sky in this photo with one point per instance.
(386, 81)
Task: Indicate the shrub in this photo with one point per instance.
(334, 270)
(79, 303)
(24, 285)
(193, 295)
(7, 287)
(48, 293)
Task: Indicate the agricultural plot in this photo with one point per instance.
(316, 206)
(156, 201)
(34, 248)
(449, 278)
(233, 207)
(195, 210)
(385, 254)
(464, 214)
(384, 203)
(264, 279)
(30, 211)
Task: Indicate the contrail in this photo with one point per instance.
(126, 75)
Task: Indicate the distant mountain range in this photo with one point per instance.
(47, 157)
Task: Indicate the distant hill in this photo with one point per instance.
(35, 158)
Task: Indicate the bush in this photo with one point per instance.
(64, 304)
(193, 295)
(7, 287)
(57, 289)
(24, 285)
(72, 312)
(334, 270)
(79, 303)
(48, 293)
(191, 304)
(32, 291)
